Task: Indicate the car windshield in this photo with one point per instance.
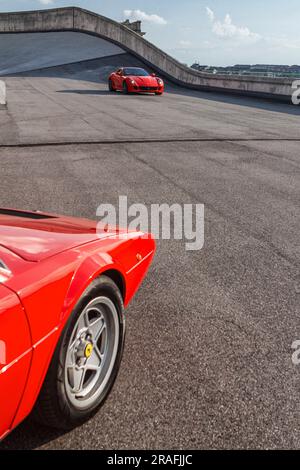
(135, 72)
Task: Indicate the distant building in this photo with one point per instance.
(199, 67)
(264, 70)
(136, 26)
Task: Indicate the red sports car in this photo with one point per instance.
(135, 80)
(64, 283)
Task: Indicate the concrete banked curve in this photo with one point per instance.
(80, 20)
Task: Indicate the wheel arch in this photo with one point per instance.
(117, 277)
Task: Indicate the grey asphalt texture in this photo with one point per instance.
(208, 358)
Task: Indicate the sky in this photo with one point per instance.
(211, 32)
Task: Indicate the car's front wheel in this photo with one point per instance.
(86, 360)
(125, 88)
(111, 85)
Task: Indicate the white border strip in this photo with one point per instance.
(2, 93)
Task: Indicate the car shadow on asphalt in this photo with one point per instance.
(30, 435)
(103, 92)
(87, 92)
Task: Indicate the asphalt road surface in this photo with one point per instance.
(208, 358)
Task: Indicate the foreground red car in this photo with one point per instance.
(64, 283)
(135, 80)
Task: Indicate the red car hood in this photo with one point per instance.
(144, 81)
(36, 236)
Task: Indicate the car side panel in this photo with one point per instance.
(50, 301)
(15, 356)
(42, 354)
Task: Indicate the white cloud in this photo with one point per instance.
(135, 15)
(210, 14)
(46, 2)
(227, 29)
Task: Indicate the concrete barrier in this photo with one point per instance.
(78, 19)
(2, 94)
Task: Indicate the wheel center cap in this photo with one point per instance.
(88, 350)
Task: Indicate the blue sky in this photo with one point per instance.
(214, 32)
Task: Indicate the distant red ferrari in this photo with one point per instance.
(64, 283)
(135, 80)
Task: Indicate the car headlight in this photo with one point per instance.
(159, 81)
(132, 82)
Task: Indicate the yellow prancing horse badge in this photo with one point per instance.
(88, 350)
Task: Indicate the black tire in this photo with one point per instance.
(110, 85)
(125, 88)
(53, 407)
(158, 93)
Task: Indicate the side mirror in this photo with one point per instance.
(153, 74)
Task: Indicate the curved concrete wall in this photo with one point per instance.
(77, 19)
(21, 52)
